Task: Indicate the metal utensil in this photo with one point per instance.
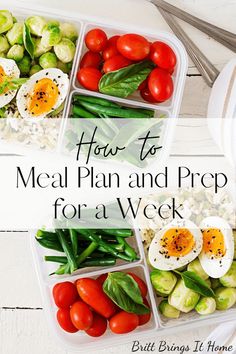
(208, 71)
(228, 39)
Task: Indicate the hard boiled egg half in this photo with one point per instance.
(176, 245)
(44, 92)
(218, 246)
(8, 70)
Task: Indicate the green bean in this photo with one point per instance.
(47, 235)
(63, 269)
(80, 112)
(118, 232)
(56, 259)
(127, 248)
(53, 245)
(67, 249)
(74, 241)
(89, 250)
(95, 100)
(99, 262)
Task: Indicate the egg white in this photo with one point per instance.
(11, 69)
(218, 266)
(159, 261)
(26, 89)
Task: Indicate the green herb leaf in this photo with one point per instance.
(196, 283)
(123, 82)
(28, 42)
(124, 291)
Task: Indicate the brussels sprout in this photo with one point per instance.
(234, 234)
(215, 283)
(16, 52)
(36, 25)
(206, 306)
(15, 35)
(4, 45)
(182, 298)
(167, 310)
(54, 23)
(2, 55)
(229, 279)
(51, 35)
(48, 60)
(163, 281)
(68, 30)
(24, 65)
(65, 50)
(39, 49)
(35, 69)
(6, 21)
(225, 298)
(195, 266)
(65, 67)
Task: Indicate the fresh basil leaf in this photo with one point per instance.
(124, 292)
(28, 42)
(196, 283)
(123, 82)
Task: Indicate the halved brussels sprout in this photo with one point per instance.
(48, 60)
(182, 298)
(215, 283)
(163, 281)
(4, 45)
(206, 306)
(51, 35)
(6, 21)
(65, 67)
(225, 298)
(68, 30)
(15, 35)
(39, 49)
(167, 310)
(2, 55)
(35, 69)
(229, 279)
(16, 52)
(65, 50)
(36, 25)
(195, 266)
(24, 65)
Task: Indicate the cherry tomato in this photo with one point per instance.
(98, 327)
(123, 322)
(143, 319)
(81, 315)
(91, 59)
(142, 286)
(147, 96)
(91, 292)
(89, 78)
(143, 85)
(115, 63)
(113, 40)
(160, 84)
(96, 40)
(64, 320)
(163, 55)
(64, 294)
(133, 46)
(102, 278)
(109, 52)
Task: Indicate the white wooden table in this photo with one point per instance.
(23, 327)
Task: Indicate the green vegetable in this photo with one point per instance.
(15, 35)
(118, 232)
(35, 69)
(87, 252)
(2, 55)
(196, 283)
(125, 81)
(206, 306)
(51, 35)
(167, 310)
(39, 48)
(4, 45)
(68, 30)
(234, 235)
(6, 21)
(2, 112)
(57, 111)
(125, 293)
(24, 65)
(36, 25)
(65, 50)
(28, 41)
(229, 279)
(163, 281)
(96, 100)
(48, 60)
(11, 84)
(68, 251)
(78, 111)
(225, 298)
(195, 267)
(183, 298)
(65, 67)
(215, 283)
(16, 52)
(127, 248)
(74, 241)
(53, 245)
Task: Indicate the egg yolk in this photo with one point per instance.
(2, 75)
(177, 242)
(213, 242)
(43, 98)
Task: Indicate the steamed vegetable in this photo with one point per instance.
(48, 60)
(229, 279)
(65, 50)
(15, 35)
(195, 266)
(225, 298)
(68, 30)
(163, 282)
(183, 298)
(51, 35)
(24, 65)
(167, 310)
(6, 21)
(36, 25)
(206, 306)
(16, 52)
(4, 45)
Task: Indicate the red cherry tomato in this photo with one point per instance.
(147, 96)
(102, 278)
(115, 63)
(160, 85)
(91, 59)
(113, 40)
(91, 292)
(143, 85)
(142, 286)
(96, 40)
(64, 320)
(123, 322)
(98, 327)
(163, 55)
(81, 315)
(133, 46)
(65, 294)
(89, 78)
(143, 319)
(109, 52)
